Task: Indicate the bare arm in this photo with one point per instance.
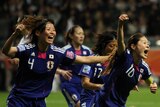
(65, 73)
(120, 37)
(7, 49)
(89, 85)
(91, 59)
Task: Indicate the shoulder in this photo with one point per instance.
(87, 48)
(23, 47)
(57, 49)
(66, 47)
(144, 64)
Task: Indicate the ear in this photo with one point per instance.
(37, 33)
(70, 36)
(133, 46)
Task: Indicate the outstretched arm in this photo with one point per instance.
(91, 59)
(120, 31)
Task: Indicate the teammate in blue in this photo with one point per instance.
(127, 70)
(38, 61)
(72, 88)
(92, 75)
(26, 39)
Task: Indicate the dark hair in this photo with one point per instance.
(40, 26)
(30, 21)
(134, 40)
(70, 33)
(103, 39)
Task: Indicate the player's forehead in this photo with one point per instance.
(143, 39)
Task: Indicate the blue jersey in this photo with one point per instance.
(121, 80)
(75, 68)
(36, 70)
(93, 72)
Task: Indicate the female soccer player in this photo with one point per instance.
(38, 61)
(92, 75)
(72, 88)
(127, 70)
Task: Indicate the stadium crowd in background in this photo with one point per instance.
(66, 13)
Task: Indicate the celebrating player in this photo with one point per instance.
(38, 61)
(127, 70)
(92, 75)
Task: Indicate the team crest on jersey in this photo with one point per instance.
(84, 53)
(70, 54)
(51, 56)
(50, 65)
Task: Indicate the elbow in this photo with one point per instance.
(4, 51)
(84, 85)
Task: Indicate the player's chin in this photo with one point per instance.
(144, 56)
(50, 42)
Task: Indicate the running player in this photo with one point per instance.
(38, 61)
(127, 70)
(92, 74)
(72, 88)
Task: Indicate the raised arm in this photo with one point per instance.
(120, 33)
(7, 48)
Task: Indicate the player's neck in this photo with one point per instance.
(42, 47)
(76, 46)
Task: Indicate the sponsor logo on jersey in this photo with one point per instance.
(32, 54)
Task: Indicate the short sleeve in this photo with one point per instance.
(69, 58)
(146, 72)
(86, 71)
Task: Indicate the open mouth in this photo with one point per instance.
(50, 37)
(146, 51)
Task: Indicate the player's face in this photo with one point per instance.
(110, 46)
(78, 36)
(142, 48)
(48, 35)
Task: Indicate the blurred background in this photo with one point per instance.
(95, 16)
